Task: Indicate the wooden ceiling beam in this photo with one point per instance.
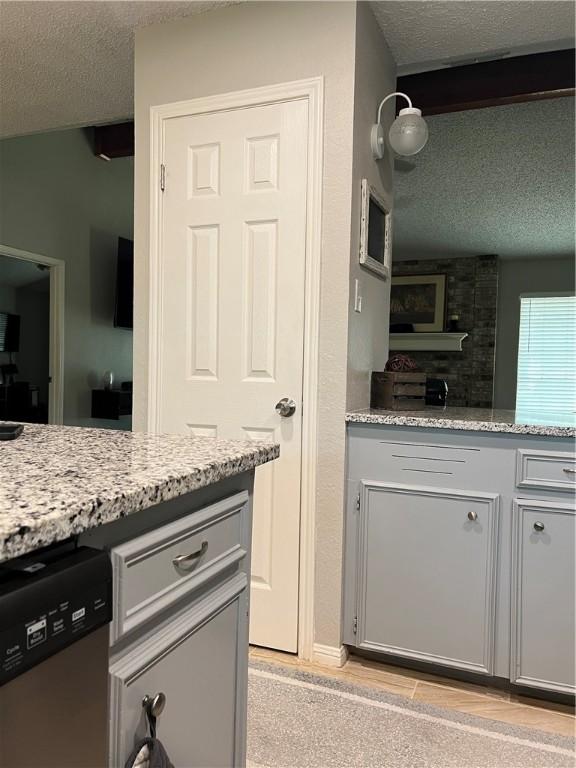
(491, 83)
(452, 89)
(116, 140)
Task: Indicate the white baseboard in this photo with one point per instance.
(329, 656)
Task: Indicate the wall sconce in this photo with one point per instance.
(408, 134)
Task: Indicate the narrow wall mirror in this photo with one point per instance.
(375, 232)
(489, 208)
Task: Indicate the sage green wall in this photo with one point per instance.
(516, 277)
(59, 200)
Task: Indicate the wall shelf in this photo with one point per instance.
(438, 342)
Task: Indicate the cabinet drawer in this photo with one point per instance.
(417, 462)
(546, 469)
(154, 571)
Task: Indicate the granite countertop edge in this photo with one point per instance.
(469, 425)
(29, 527)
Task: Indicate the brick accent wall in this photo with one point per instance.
(471, 293)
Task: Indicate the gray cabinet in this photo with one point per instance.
(199, 662)
(422, 581)
(427, 574)
(181, 599)
(543, 595)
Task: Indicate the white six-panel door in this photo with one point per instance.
(232, 270)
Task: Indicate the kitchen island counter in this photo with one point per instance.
(174, 515)
(57, 482)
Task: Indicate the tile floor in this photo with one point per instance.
(473, 699)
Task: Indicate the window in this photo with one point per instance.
(546, 388)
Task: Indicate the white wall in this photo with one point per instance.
(58, 200)
(245, 46)
(516, 277)
(375, 77)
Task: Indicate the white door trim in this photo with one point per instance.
(57, 284)
(313, 91)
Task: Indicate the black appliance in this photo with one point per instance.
(55, 606)
(124, 311)
(111, 403)
(436, 392)
(9, 332)
(48, 601)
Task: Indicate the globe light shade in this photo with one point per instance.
(408, 133)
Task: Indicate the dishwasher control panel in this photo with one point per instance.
(48, 601)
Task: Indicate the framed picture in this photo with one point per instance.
(375, 232)
(418, 300)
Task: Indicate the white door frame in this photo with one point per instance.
(313, 91)
(56, 360)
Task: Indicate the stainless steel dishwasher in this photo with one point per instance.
(55, 606)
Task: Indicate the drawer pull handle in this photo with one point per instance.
(473, 516)
(154, 705)
(569, 471)
(187, 563)
(538, 526)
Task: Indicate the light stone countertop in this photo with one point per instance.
(469, 419)
(56, 482)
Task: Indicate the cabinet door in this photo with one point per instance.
(543, 595)
(200, 663)
(427, 565)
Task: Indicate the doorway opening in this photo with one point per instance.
(31, 337)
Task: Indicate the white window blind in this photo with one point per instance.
(546, 389)
(3, 330)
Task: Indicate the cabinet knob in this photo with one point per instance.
(154, 705)
(473, 516)
(538, 526)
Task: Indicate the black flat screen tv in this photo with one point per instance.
(124, 312)
(9, 332)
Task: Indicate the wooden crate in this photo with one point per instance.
(397, 391)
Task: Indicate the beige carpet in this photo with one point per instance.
(299, 720)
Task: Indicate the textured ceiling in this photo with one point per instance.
(65, 64)
(497, 180)
(425, 35)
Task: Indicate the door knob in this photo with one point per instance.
(538, 526)
(285, 407)
(472, 516)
